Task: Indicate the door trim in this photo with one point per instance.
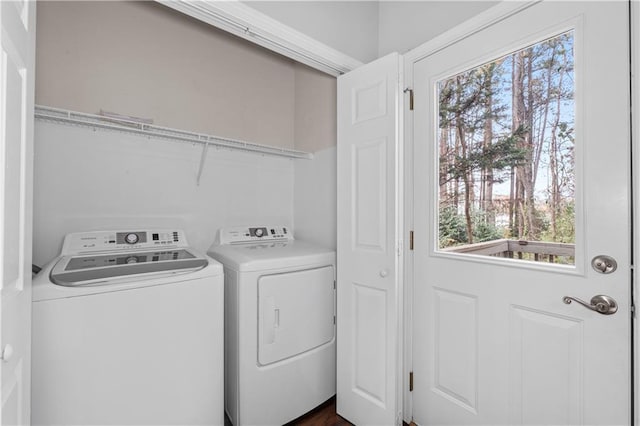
(476, 24)
(634, 6)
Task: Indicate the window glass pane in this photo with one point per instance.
(506, 156)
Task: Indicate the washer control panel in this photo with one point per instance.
(81, 242)
(250, 234)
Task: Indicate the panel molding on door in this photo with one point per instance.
(368, 298)
(530, 375)
(456, 347)
(369, 101)
(369, 181)
(369, 362)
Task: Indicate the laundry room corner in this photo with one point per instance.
(96, 57)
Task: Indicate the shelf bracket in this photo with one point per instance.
(203, 157)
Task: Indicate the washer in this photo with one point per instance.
(280, 353)
(128, 329)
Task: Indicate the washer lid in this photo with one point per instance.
(74, 271)
(271, 255)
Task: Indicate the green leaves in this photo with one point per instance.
(452, 228)
(501, 155)
(506, 147)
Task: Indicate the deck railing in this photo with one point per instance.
(538, 251)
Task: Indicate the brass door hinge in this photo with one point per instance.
(410, 240)
(411, 381)
(410, 98)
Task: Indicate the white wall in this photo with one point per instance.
(315, 202)
(87, 180)
(350, 27)
(367, 30)
(405, 25)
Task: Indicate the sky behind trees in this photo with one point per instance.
(506, 145)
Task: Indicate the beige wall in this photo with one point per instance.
(145, 60)
(315, 116)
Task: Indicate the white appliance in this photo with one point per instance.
(280, 354)
(128, 329)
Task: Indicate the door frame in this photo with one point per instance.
(635, 194)
(487, 18)
(17, 333)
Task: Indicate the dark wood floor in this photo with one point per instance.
(324, 415)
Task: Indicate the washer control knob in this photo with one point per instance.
(259, 232)
(131, 259)
(131, 238)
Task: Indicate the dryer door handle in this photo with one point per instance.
(270, 320)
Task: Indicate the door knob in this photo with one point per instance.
(604, 264)
(601, 304)
(7, 353)
(384, 273)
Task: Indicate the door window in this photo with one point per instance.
(506, 144)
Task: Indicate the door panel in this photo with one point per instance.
(493, 341)
(534, 367)
(369, 307)
(369, 181)
(368, 220)
(17, 40)
(456, 341)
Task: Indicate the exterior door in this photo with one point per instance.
(521, 185)
(368, 311)
(17, 39)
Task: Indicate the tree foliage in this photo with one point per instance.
(506, 147)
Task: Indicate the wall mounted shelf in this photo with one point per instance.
(57, 115)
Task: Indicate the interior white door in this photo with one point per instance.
(17, 39)
(368, 339)
(493, 341)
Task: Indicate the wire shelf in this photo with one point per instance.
(57, 115)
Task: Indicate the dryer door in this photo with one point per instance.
(295, 313)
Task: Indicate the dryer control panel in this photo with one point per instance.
(251, 234)
(83, 242)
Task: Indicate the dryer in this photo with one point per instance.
(128, 329)
(280, 334)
